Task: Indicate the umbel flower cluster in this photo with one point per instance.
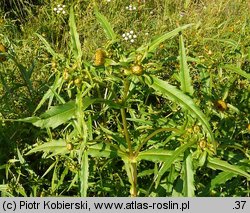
(129, 36)
(130, 7)
(60, 9)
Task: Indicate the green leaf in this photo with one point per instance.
(20, 157)
(174, 157)
(237, 70)
(49, 169)
(50, 93)
(157, 41)
(58, 146)
(20, 189)
(47, 45)
(84, 174)
(74, 36)
(188, 176)
(146, 172)
(155, 155)
(103, 150)
(54, 117)
(54, 180)
(105, 25)
(177, 96)
(185, 78)
(217, 164)
(221, 178)
(4, 189)
(115, 136)
(231, 42)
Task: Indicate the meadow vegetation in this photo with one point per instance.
(124, 98)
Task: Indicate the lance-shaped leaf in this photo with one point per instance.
(177, 96)
(151, 47)
(74, 36)
(106, 151)
(185, 78)
(174, 157)
(188, 176)
(155, 155)
(105, 25)
(49, 95)
(237, 70)
(54, 146)
(84, 174)
(221, 178)
(54, 117)
(47, 45)
(217, 164)
(230, 42)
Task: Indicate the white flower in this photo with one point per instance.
(60, 9)
(182, 14)
(129, 36)
(130, 7)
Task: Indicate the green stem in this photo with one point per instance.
(133, 191)
(132, 166)
(126, 84)
(126, 133)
